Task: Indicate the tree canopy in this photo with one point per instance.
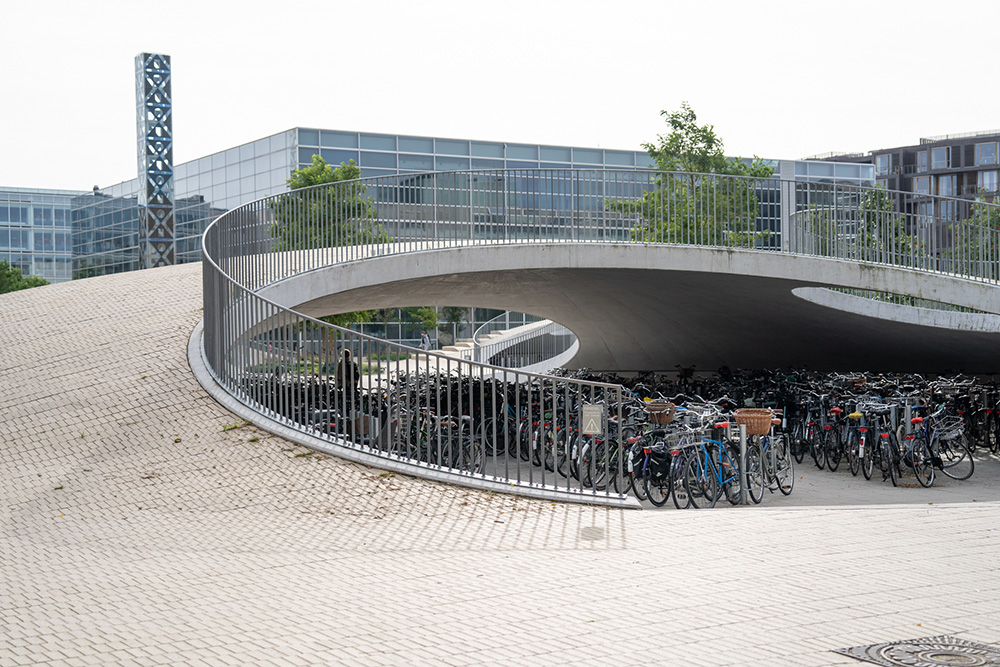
(694, 148)
(338, 215)
(11, 279)
(685, 205)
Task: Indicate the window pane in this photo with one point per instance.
(556, 154)
(451, 163)
(587, 155)
(821, 169)
(381, 160)
(988, 181)
(619, 158)
(335, 157)
(378, 142)
(306, 155)
(308, 137)
(986, 153)
(882, 165)
(451, 147)
(416, 145)
(521, 164)
(922, 161)
(483, 163)
(939, 158)
(485, 149)
(921, 185)
(339, 139)
(946, 185)
(522, 152)
(425, 162)
(848, 171)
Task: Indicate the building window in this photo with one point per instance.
(946, 210)
(988, 181)
(922, 185)
(941, 158)
(946, 185)
(986, 153)
(921, 161)
(925, 212)
(883, 165)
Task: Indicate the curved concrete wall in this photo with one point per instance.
(639, 307)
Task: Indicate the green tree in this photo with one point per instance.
(881, 234)
(11, 279)
(340, 214)
(453, 316)
(426, 315)
(688, 204)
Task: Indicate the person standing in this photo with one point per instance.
(349, 379)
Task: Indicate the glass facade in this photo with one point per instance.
(35, 232)
(822, 171)
(105, 222)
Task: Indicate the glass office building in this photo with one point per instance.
(35, 232)
(105, 222)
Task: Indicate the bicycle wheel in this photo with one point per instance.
(853, 451)
(867, 453)
(657, 486)
(729, 465)
(920, 457)
(889, 459)
(833, 449)
(701, 480)
(755, 472)
(678, 489)
(590, 465)
(524, 437)
(784, 469)
(817, 448)
(993, 432)
(551, 447)
(956, 459)
(799, 444)
(635, 474)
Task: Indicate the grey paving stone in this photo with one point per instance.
(137, 528)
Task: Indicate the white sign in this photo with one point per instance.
(592, 419)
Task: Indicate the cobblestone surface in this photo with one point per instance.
(142, 524)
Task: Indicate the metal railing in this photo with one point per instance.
(503, 321)
(478, 423)
(532, 345)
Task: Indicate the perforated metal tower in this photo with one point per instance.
(157, 243)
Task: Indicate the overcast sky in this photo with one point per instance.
(777, 79)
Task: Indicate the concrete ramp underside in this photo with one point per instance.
(670, 311)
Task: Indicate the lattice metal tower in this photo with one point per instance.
(157, 243)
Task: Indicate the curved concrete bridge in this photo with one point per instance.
(649, 307)
(649, 270)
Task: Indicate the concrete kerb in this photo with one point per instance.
(351, 452)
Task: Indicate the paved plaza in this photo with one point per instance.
(142, 524)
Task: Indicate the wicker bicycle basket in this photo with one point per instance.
(757, 420)
(660, 412)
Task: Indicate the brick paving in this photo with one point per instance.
(142, 524)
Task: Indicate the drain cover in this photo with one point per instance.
(927, 652)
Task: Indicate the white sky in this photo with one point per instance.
(776, 78)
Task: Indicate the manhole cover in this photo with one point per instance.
(926, 652)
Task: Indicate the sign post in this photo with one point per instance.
(592, 419)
